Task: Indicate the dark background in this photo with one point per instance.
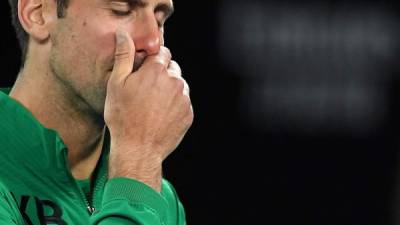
(296, 110)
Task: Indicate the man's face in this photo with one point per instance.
(83, 43)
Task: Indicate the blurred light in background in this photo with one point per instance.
(312, 68)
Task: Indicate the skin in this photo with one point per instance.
(105, 64)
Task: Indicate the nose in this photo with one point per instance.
(147, 35)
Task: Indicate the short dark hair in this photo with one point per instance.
(22, 36)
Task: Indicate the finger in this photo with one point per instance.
(174, 69)
(124, 56)
(186, 89)
(163, 58)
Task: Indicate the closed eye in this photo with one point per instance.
(120, 8)
(121, 13)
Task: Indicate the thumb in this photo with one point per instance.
(124, 56)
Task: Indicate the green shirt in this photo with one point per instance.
(9, 213)
(35, 170)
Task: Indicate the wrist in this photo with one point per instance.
(136, 163)
(151, 178)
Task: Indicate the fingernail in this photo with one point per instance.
(120, 36)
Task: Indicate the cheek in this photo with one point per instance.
(95, 29)
(101, 41)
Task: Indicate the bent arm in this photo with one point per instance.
(130, 202)
(125, 202)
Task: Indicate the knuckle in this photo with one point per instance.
(187, 87)
(174, 69)
(176, 65)
(158, 66)
(173, 63)
(187, 102)
(189, 116)
(190, 119)
(166, 51)
(122, 54)
(179, 83)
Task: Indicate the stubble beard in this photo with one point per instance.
(89, 100)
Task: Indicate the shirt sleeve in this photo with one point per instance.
(130, 202)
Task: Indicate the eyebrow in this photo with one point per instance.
(136, 3)
(167, 9)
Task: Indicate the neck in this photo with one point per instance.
(57, 107)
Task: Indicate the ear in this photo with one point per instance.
(30, 14)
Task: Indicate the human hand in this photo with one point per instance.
(147, 112)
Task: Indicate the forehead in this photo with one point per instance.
(142, 2)
(165, 6)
